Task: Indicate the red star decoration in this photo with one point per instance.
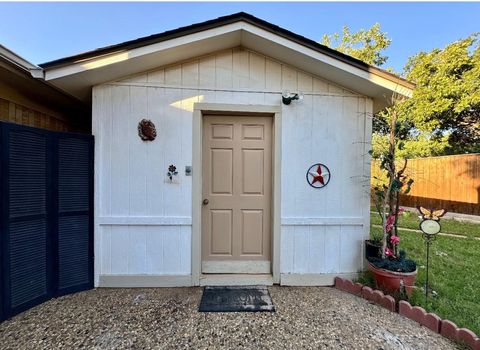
(318, 177)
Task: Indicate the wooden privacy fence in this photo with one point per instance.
(450, 182)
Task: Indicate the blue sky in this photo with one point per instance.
(45, 31)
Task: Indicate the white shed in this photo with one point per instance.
(247, 204)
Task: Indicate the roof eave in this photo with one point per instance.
(105, 58)
(241, 16)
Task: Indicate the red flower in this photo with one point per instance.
(395, 240)
(389, 223)
(389, 252)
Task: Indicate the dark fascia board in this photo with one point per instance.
(220, 21)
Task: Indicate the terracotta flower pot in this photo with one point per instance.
(391, 281)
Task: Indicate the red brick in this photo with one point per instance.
(432, 322)
(344, 284)
(388, 302)
(404, 308)
(353, 288)
(357, 289)
(347, 286)
(339, 282)
(377, 297)
(477, 344)
(367, 293)
(449, 329)
(466, 336)
(417, 314)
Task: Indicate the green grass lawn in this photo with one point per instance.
(411, 220)
(454, 270)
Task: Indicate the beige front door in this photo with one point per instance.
(237, 185)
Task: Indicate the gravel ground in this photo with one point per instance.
(167, 318)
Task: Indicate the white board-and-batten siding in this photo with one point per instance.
(143, 222)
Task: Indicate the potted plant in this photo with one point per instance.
(393, 272)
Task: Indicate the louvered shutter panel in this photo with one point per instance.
(26, 236)
(74, 214)
(46, 212)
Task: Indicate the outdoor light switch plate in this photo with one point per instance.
(188, 170)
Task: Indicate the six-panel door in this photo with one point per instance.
(237, 183)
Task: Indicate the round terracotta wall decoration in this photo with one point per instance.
(318, 175)
(146, 130)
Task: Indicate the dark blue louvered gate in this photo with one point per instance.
(46, 222)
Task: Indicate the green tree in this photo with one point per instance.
(366, 44)
(446, 101)
(418, 146)
(443, 116)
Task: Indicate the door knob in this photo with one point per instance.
(205, 201)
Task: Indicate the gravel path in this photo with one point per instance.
(167, 318)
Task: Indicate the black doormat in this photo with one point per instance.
(236, 299)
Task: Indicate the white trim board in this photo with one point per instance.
(218, 108)
(144, 281)
(245, 266)
(77, 77)
(305, 221)
(202, 88)
(147, 281)
(313, 279)
(236, 280)
(145, 220)
(117, 57)
(334, 63)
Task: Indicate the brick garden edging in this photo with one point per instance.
(418, 314)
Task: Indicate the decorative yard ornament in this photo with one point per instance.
(431, 214)
(172, 171)
(430, 226)
(318, 175)
(146, 130)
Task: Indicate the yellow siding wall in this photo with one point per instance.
(14, 113)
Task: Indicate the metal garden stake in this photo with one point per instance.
(430, 226)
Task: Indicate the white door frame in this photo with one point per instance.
(200, 109)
